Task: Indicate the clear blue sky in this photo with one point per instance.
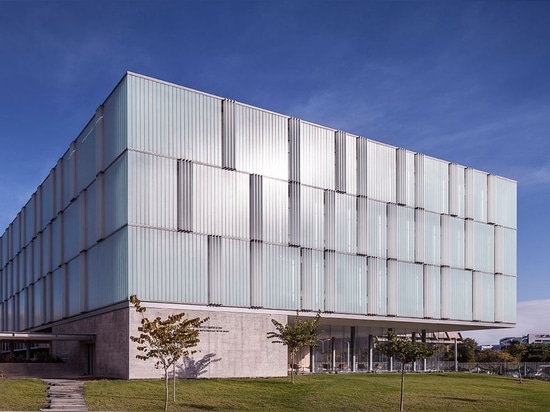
(468, 82)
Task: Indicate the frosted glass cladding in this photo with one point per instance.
(281, 277)
(505, 298)
(405, 178)
(115, 123)
(483, 297)
(480, 246)
(173, 121)
(432, 189)
(456, 294)
(432, 292)
(381, 171)
(476, 195)
(47, 196)
(91, 223)
(351, 164)
(312, 225)
(107, 271)
(345, 223)
(401, 235)
(85, 157)
(235, 273)
(168, 266)
(261, 142)
(220, 202)
(345, 283)
(405, 289)
(457, 190)
(376, 287)
(115, 195)
(428, 237)
(313, 280)
(505, 251)
(152, 191)
(502, 202)
(72, 227)
(275, 211)
(317, 156)
(452, 241)
(74, 285)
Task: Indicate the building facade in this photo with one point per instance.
(206, 205)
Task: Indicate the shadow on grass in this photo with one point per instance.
(200, 407)
(451, 398)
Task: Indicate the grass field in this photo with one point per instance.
(342, 392)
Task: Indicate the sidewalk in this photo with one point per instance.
(64, 395)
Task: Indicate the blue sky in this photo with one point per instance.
(463, 81)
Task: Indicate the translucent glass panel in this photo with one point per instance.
(281, 277)
(152, 191)
(167, 266)
(313, 280)
(432, 184)
(505, 298)
(452, 241)
(346, 162)
(108, 273)
(341, 222)
(457, 190)
(400, 233)
(173, 121)
(90, 198)
(38, 299)
(113, 196)
(47, 197)
(371, 228)
(317, 156)
(376, 170)
(456, 294)
(261, 142)
(115, 124)
(312, 221)
(30, 219)
(376, 286)
(86, 156)
(483, 297)
(275, 211)
(480, 247)
(405, 289)
(476, 195)
(505, 251)
(502, 202)
(345, 283)
(58, 297)
(432, 292)
(228, 272)
(72, 230)
(428, 238)
(405, 178)
(75, 283)
(220, 202)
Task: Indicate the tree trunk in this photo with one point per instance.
(292, 368)
(174, 381)
(401, 401)
(165, 388)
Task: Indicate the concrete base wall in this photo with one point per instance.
(40, 370)
(110, 357)
(232, 345)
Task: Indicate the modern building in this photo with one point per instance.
(201, 204)
(540, 338)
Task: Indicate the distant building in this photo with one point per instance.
(526, 339)
(201, 204)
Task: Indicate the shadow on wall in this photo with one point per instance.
(192, 368)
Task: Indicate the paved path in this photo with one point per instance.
(64, 395)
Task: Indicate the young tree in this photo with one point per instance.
(166, 340)
(516, 351)
(406, 351)
(296, 336)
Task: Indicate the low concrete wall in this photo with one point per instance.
(39, 370)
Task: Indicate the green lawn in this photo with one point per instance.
(342, 392)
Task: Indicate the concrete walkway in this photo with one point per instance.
(64, 395)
